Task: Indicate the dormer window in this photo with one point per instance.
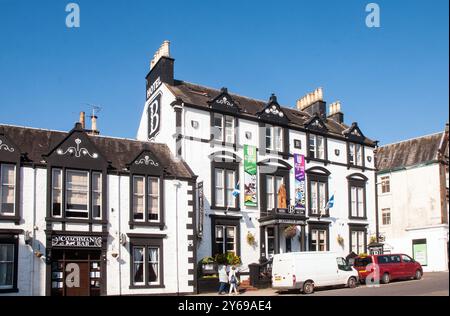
(316, 146)
(355, 154)
(7, 189)
(223, 128)
(274, 138)
(146, 204)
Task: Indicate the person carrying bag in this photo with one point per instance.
(233, 279)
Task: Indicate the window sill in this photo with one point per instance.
(10, 218)
(146, 224)
(228, 209)
(222, 143)
(324, 161)
(360, 218)
(316, 215)
(141, 287)
(12, 290)
(75, 220)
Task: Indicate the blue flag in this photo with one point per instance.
(236, 190)
(330, 203)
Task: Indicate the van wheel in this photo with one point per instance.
(308, 287)
(351, 282)
(418, 275)
(386, 278)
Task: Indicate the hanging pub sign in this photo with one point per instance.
(201, 208)
(154, 116)
(77, 241)
(300, 181)
(250, 191)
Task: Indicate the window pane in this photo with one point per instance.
(6, 265)
(229, 129)
(153, 264)
(57, 192)
(77, 194)
(138, 265)
(353, 202)
(312, 146)
(358, 155)
(219, 178)
(153, 199)
(322, 197)
(313, 201)
(360, 202)
(320, 148)
(268, 137)
(96, 195)
(270, 193)
(7, 189)
(352, 153)
(138, 198)
(218, 127)
(278, 139)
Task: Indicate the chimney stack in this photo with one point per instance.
(336, 113)
(163, 51)
(83, 120)
(94, 130)
(313, 103)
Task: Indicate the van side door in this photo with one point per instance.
(343, 270)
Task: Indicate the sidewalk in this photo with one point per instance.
(263, 292)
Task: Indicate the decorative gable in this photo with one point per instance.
(224, 102)
(146, 163)
(316, 123)
(8, 150)
(354, 133)
(77, 151)
(273, 112)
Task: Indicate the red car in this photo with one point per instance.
(387, 267)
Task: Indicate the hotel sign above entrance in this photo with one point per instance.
(77, 241)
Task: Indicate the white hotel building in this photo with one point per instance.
(209, 128)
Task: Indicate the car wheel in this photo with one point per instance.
(386, 278)
(308, 287)
(418, 275)
(351, 283)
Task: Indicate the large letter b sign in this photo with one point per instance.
(154, 117)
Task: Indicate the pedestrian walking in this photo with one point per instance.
(232, 278)
(223, 279)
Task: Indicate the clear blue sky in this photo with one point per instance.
(392, 80)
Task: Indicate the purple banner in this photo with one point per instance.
(300, 181)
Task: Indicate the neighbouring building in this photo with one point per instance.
(84, 214)
(413, 199)
(265, 171)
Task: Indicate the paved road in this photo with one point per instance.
(432, 284)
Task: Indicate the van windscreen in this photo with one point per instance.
(362, 262)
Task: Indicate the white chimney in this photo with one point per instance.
(163, 51)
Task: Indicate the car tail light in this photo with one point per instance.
(294, 280)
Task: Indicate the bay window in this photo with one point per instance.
(316, 146)
(7, 189)
(146, 199)
(224, 181)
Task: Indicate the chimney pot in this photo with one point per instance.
(83, 120)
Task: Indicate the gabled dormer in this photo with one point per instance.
(316, 123)
(273, 112)
(76, 150)
(146, 163)
(224, 102)
(353, 133)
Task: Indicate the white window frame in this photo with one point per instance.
(315, 237)
(100, 192)
(222, 132)
(386, 211)
(313, 146)
(271, 192)
(318, 197)
(226, 188)
(134, 261)
(355, 154)
(357, 243)
(158, 263)
(2, 166)
(66, 209)
(357, 206)
(274, 140)
(9, 286)
(158, 195)
(145, 196)
(385, 182)
(224, 243)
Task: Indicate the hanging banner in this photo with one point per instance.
(300, 182)
(250, 192)
(201, 209)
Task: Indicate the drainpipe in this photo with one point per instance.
(377, 230)
(119, 236)
(33, 240)
(177, 185)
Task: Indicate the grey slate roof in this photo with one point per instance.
(200, 95)
(409, 153)
(118, 151)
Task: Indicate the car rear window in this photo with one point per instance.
(362, 262)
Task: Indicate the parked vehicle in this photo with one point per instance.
(308, 270)
(387, 267)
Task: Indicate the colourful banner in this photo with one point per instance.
(250, 192)
(300, 181)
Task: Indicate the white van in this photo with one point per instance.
(307, 270)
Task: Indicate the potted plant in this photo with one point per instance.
(233, 260)
(208, 265)
(221, 259)
(290, 231)
(250, 239)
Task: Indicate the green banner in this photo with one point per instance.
(250, 191)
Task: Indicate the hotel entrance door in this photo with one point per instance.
(76, 273)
